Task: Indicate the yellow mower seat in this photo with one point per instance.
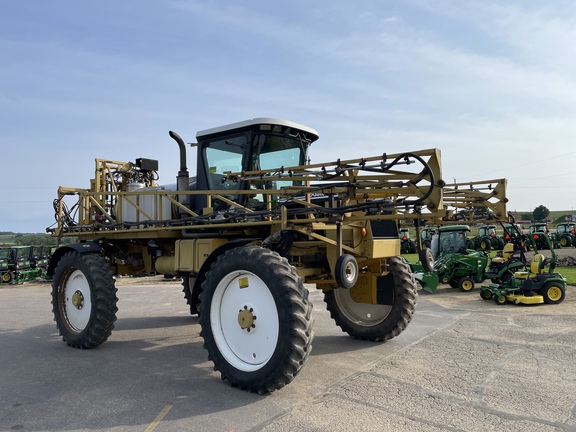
(507, 253)
(536, 268)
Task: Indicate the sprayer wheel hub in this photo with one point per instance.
(78, 300)
(246, 318)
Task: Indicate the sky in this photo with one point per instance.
(492, 84)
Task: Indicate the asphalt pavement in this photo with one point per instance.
(463, 364)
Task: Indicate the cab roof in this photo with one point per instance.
(265, 124)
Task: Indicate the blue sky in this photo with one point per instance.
(491, 84)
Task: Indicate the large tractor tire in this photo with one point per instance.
(376, 322)
(84, 299)
(485, 244)
(192, 299)
(255, 319)
(565, 241)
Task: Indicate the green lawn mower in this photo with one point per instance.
(511, 258)
(531, 285)
(453, 263)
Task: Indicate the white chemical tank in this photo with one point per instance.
(152, 206)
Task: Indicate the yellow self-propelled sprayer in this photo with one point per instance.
(246, 233)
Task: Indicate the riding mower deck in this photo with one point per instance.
(532, 285)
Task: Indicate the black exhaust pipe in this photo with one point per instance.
(183, 178)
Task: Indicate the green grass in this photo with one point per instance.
(569, 273)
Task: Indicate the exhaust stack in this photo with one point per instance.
(183, 179)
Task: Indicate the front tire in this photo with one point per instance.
(465, 284)
(84, 299)
(376, 322)
(256, 319)
(499, 299)
(8, 277)
(553, 293)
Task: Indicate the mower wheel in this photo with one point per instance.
(465, 284)
(486, 294)
(553, 293)
(499, 299)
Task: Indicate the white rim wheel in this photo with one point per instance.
(361, 314)
(244, 321)
(77, 302)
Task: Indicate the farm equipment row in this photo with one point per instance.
(23, 263)
(512, 278)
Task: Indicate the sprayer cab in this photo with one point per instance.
(252, 145)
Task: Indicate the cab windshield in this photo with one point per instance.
(277, 151)
(453, 241)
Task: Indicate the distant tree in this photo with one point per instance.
(540, 213)
(526, 216)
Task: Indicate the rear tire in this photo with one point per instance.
(486, 244)
(376, 322)
(192, 299)
(486, 294)
(553, 293)
(256, 319)
(84, 299)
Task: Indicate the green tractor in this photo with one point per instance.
(39, 259)
(454, 263)
(4, 256)
(533, 284)
(511, 230)
(487, 239)
(565, 235)
(407, 245)
(541, 242)
(427, 234)
(19, 265)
